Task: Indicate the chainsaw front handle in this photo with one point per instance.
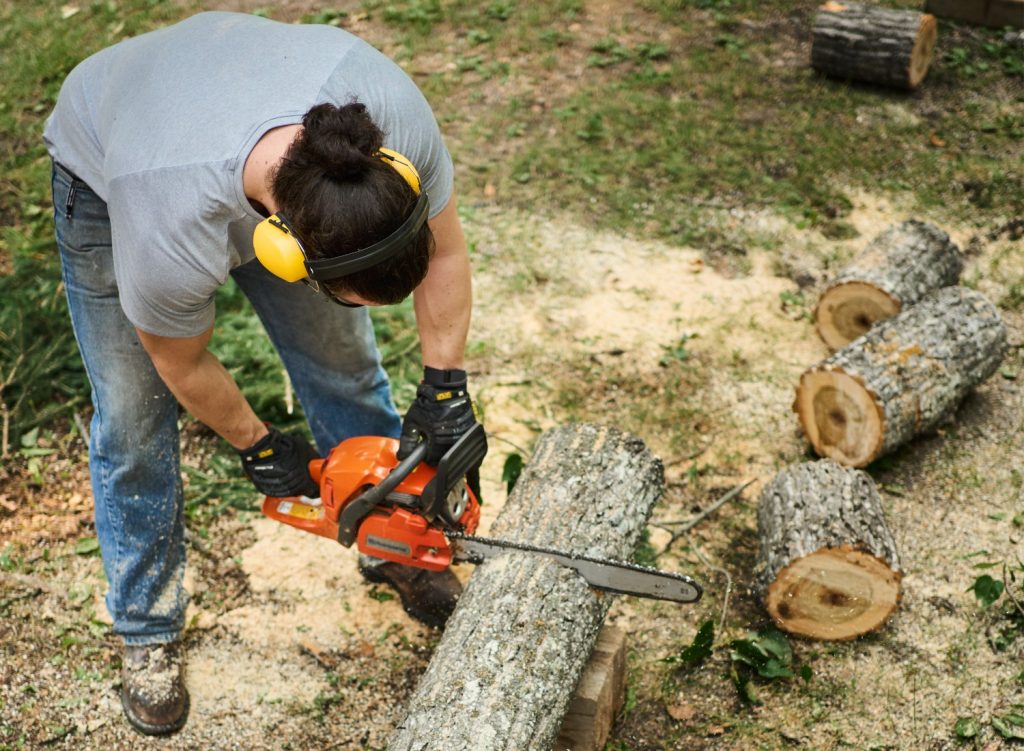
(354, 512)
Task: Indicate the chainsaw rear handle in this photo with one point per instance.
(356, 511)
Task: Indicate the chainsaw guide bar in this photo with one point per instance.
(619, 577)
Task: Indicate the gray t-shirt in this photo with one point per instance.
(160, 127)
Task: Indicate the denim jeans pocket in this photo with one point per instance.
(81, 218)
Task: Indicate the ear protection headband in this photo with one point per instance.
(281, 252)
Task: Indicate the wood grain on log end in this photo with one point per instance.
(848, 310)
(924, 48)
(834, 594)
(840, 416)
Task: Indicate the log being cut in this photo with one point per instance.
(877, 45)
(899, 267)
(512, 653)
(827, 566)
(902, 377)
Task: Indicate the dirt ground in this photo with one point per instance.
(289, 649)
(695, 351)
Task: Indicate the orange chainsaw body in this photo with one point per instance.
(391, 530)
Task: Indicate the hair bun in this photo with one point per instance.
(342, 141)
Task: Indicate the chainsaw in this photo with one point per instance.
(414, 514)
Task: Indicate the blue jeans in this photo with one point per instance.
(134, 461)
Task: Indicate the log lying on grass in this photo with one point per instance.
(513, 651)
(827, 567)
(899, 267)
(900, 378)
(877, 45)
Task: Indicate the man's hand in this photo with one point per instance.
(440, 415)
(278, 465)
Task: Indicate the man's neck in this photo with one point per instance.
(262, 160)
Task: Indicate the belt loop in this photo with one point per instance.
(70, 203)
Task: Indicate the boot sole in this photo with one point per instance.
(149, 728)
(427, 619)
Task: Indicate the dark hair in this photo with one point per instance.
(340, 196)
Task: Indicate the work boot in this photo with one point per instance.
(427, 596)
(153, 690)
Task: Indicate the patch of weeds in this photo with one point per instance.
(380, 595)
(217, 486)
(645, 554)
(1008, 618)
(794, 306)
(698, 650)
(765, 655)
(676, 352)
(1014, 297)
(327, 16)
(418, 15)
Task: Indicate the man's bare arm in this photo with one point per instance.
(444, 299)
(203, 386)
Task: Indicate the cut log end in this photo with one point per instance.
(924, 47)
(834, 594)
(846, 311)
(840, 417)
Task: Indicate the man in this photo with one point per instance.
(170, 151)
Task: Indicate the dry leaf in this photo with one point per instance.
(66, 11)
(935, 141)
(681, 712)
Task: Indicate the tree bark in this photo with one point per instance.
(899, 267)
(878, 45)
(827, 567)
(513, 651)
(900, 378)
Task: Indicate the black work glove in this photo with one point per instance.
(278, 465)
(441, 413)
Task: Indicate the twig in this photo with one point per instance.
(728, 586)
(520, 449)
(691, 456)
(689, 524)
(82, 427)
(1009, 593)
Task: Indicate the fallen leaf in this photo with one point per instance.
(681, 712)
(66, 11)
(715, 730)
(935, 141)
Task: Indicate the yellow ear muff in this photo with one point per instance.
(279, 250)
(403, 167)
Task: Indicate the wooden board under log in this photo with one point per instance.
(896, 269)
(902, 377)
(504, 671)
(877, 45)
(828, 567)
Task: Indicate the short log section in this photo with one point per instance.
(899, 267)
(877, 45)
(505, 670)
(827, 566)
(901, 378)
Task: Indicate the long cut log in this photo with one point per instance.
(877, 45)
(513, 651)
(901, 378)
(827, 566)
(899, 267)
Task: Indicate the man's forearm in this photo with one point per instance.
(211, 395)
(204, 387)
(444, 300)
